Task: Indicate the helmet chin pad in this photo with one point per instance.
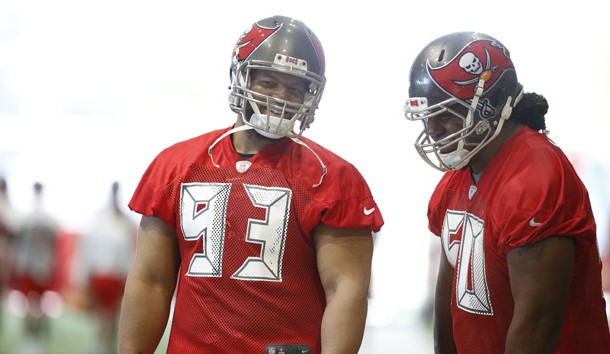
(455, 159)
(270, 126)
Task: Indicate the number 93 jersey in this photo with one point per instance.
(248, 274)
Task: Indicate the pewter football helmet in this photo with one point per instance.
(469, 75)
(284, 45)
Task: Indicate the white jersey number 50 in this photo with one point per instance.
(471, 290)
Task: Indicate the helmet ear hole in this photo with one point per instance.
(483, 126)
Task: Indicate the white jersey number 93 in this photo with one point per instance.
(203, 211)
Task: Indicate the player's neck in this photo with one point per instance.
(249, 142)
(486, 155)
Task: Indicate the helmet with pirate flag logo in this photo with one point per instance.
(285, 45)
(276, 49)
(465, 74)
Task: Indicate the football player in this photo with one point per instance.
(107, 250)
(265, 235)
(520, 270)
(35, 266)
(8, 229)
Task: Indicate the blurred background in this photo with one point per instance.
(91, 91)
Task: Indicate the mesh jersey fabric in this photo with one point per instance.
(528, 192)
(248, 273)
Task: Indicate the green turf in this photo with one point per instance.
(71, 333)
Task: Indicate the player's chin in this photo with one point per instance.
(446, 150)
(255, 134)
(260, 136)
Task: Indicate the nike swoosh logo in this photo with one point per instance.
(368, 211)
(533, 223)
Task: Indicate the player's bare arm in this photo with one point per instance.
(152, 281)
(540, 277)
(443, 332)
(344, 262)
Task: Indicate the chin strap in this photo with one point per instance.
(504, 115)
(296, 140)
(231, 131)
(324, 170)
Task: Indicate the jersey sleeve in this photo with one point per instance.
(549, 199)
(436, 210)
(349, 202)
(151, 195)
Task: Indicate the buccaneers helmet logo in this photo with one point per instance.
(251, 40)
(482, 59)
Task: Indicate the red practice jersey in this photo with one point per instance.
(248, 275)
(528, 192)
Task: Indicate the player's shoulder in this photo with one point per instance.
(178, 157)
(194, 143)
(39, 220)
(451, 184)
(189, 150)
(534, 168)
(454, 179)
(328, 157)
(536, 158)
(339, 171)
(533, 146)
